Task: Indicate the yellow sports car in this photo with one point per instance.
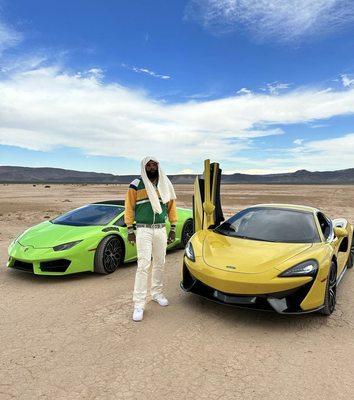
(280, 257)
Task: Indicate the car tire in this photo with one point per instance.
(187, 232)
(350, 262)
(109, 255)
(331, 291)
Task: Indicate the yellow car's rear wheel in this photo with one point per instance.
(331, 291)
(350, 262)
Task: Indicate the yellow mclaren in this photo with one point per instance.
(281, 257)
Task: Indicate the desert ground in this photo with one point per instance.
(72, 337)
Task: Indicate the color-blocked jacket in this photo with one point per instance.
(138, 207)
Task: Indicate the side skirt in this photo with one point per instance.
(342, 274)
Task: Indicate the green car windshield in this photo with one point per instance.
(91, 214)
(271, 225)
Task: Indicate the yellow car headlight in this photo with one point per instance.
(306, 268)
(189, 252)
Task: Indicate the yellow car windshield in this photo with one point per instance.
(271, 225)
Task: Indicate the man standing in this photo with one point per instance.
(149, 201)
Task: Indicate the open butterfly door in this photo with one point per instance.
(207, 212)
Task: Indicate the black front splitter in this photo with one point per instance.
(246, 303)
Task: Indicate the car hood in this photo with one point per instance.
(47, 234)
(247, 256)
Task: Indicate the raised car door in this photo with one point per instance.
(343, 244)
(328, 234)
(207, 212)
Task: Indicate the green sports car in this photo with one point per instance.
(89, 238)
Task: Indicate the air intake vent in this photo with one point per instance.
(23, 266)
(55, 265)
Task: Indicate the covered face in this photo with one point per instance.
(152, 169)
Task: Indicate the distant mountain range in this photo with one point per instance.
(14, 174)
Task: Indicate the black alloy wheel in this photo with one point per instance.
(350, 262)
(109, 255)
(331, 291)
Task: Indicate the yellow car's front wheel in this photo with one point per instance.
(331, 291)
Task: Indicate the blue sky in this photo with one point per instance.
(260, 87)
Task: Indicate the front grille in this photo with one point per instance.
(55, 265)
(247, 301)
(23, 266)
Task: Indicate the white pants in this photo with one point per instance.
(150, 243)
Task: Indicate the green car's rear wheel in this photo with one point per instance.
(331, 291)
(187, 232)
(109, 255)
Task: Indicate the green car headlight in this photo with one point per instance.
(306, 268)
(189, 252)
(66, 246)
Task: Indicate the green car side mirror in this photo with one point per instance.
(340, 232)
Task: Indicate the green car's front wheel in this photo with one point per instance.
(109, 255)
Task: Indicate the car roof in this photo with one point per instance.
(110, 202)
(295, 207)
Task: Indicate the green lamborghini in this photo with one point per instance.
(89, 238)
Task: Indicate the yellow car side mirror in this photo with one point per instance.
(340, 232)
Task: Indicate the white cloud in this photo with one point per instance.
(46, 108)
(9, 37)
(320, 155)
(244, 91)
(347, 80)
(145, 71)
(276, 19)
(276, 87)
(298, 141)
(95, 74)
(198, 96)
(22, 63)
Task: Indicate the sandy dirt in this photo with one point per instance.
(73, 338)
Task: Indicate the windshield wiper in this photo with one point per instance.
(260, 240)
(68, 223)
(252, 238)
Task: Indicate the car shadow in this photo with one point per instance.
(55, 279)
(233, 316)
(198, 307)
(30, 277)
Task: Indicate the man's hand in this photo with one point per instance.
(171, 237)
(132, 238)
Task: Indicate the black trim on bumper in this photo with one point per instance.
(286, 302)
(22, 266)
(55, 265)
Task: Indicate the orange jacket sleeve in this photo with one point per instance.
(130, 201)
(172, 211)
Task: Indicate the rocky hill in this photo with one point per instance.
(14, 174)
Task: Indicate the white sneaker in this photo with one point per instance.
(138, 314)
(161, 299)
